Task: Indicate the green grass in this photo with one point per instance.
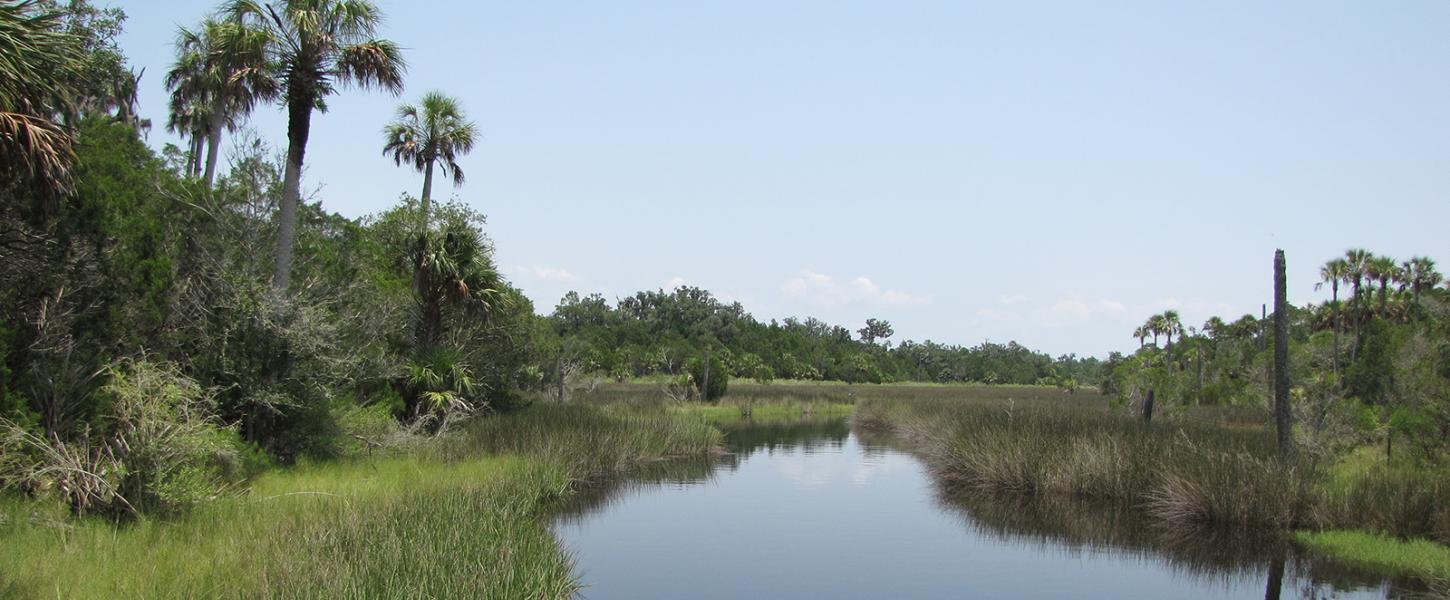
(1194, 469)
(463, 518)
(1418, 558)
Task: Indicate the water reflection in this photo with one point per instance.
(812, 509)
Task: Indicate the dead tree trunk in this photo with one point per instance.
(1281, 357)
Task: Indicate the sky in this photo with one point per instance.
(1045, 172)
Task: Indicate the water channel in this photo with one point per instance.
(815, 510)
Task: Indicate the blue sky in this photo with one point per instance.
(1046, 172)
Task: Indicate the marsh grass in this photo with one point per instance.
(1190, 471)
(1415, 558)
(462, 519)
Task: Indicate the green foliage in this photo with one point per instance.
(711, 386)
(170, 450)
(653, 332)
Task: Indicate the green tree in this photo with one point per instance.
(1382, 269)
(432, 133)
(220, 74)
(317, 45)
(1332, 273)
(875, 329)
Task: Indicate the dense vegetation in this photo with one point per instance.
(170, 328)
(657, 332)
(1370, 368)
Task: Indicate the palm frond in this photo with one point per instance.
(375, 63)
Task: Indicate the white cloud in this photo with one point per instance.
(676, 282)
(825, 291)
(1112, 306)
(1075, 309)
(541, 273)
(1011, 299)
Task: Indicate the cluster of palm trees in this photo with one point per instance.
(298, 51)
(1165, 323)
(1361, 270)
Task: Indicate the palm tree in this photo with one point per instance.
(36, 74)
(456, 271)
(1172, 325)
(1381, 269)
(1420, 275)
(221, 72)
(188, 119)
(1142, 334)
(1154, 327)
(316, 46)
(1356, 262)
(1332, 273)
(434, 132)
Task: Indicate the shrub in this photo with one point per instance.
(719, 379)
(159, 449)
(171, 452)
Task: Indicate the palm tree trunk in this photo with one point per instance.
(1384, 286)
(190, 156)
(213, 141)
(1334, 291)
(1148, 407)
(420, 269)
(299, 124)
(426, 201)
(198, 139)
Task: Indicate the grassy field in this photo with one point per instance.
(461, 518)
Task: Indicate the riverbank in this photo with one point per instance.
(1191, 473)
(458, 517)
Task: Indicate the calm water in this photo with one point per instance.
(811, 510)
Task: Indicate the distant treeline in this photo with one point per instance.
(658, 332)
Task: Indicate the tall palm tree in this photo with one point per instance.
(1332, 273)
(36, 74)
(316, 45)
(1420, 275)
(434, 132)
(1155, 327)
(1142, 334)
(221, 72)
(1172, 325)
(188, 119)
(1356, 261)
(1381, 269)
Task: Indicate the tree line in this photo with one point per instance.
(659, 332)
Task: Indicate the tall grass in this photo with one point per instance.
(463, 519)
(1191, 472)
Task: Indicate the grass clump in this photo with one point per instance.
(1418, 558)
